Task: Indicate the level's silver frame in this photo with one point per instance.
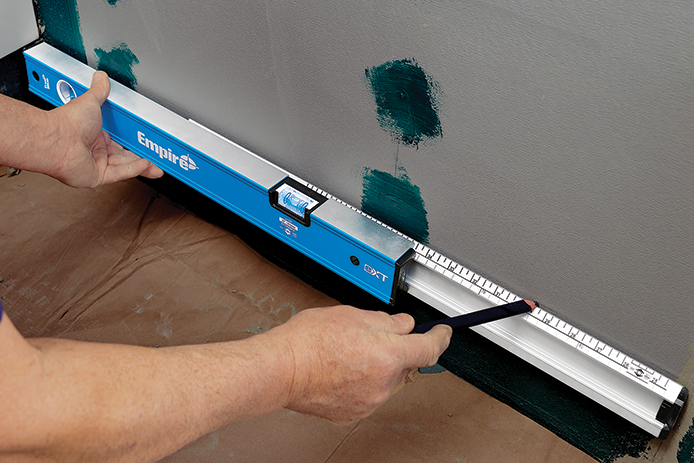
(629, 388)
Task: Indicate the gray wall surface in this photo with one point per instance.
(563, 165)
(17, 25)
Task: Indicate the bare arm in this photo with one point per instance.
(67, 142)
(73, 401)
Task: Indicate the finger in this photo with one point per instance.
(100, 87)
(402, 323)
(116, 148)
(126, 170)
(152, 172)
(120, 156)
(425, 349)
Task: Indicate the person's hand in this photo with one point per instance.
(86, 156)
(348, 361)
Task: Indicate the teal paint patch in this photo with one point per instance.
(396, 202)
(406, 101)
(59, 23)
(112, 2)
(118, 63)
(685, 450)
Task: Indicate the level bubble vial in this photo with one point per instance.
(295, 202)
(65, 91)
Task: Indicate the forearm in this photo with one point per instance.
(124, 403)
(70, 401)
(27, 136)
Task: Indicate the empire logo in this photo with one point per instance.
(185, 162)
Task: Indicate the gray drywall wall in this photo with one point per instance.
(17, 25)
(564, 166)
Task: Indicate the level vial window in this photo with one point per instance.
(295, 199)
(65, 91)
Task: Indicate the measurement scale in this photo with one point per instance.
(361, 249)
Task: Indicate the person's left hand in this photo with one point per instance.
(85, 154)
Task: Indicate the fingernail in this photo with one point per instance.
(403, 318)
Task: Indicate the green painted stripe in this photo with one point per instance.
(396, 202)
(118, 63)
(59, 22)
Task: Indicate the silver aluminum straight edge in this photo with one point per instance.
(600, 372)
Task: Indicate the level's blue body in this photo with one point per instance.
(343, 240)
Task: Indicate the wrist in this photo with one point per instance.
(280, 364)
(25, 130)
(58, 132)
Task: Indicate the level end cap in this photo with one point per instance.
(669, 413)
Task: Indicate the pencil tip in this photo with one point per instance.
(533, 305)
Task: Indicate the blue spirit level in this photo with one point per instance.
(333, 234)
(357, 247)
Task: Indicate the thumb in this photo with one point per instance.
(402, 323)
(100, 86)
(425, 349)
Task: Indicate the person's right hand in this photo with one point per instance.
(348, 361)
